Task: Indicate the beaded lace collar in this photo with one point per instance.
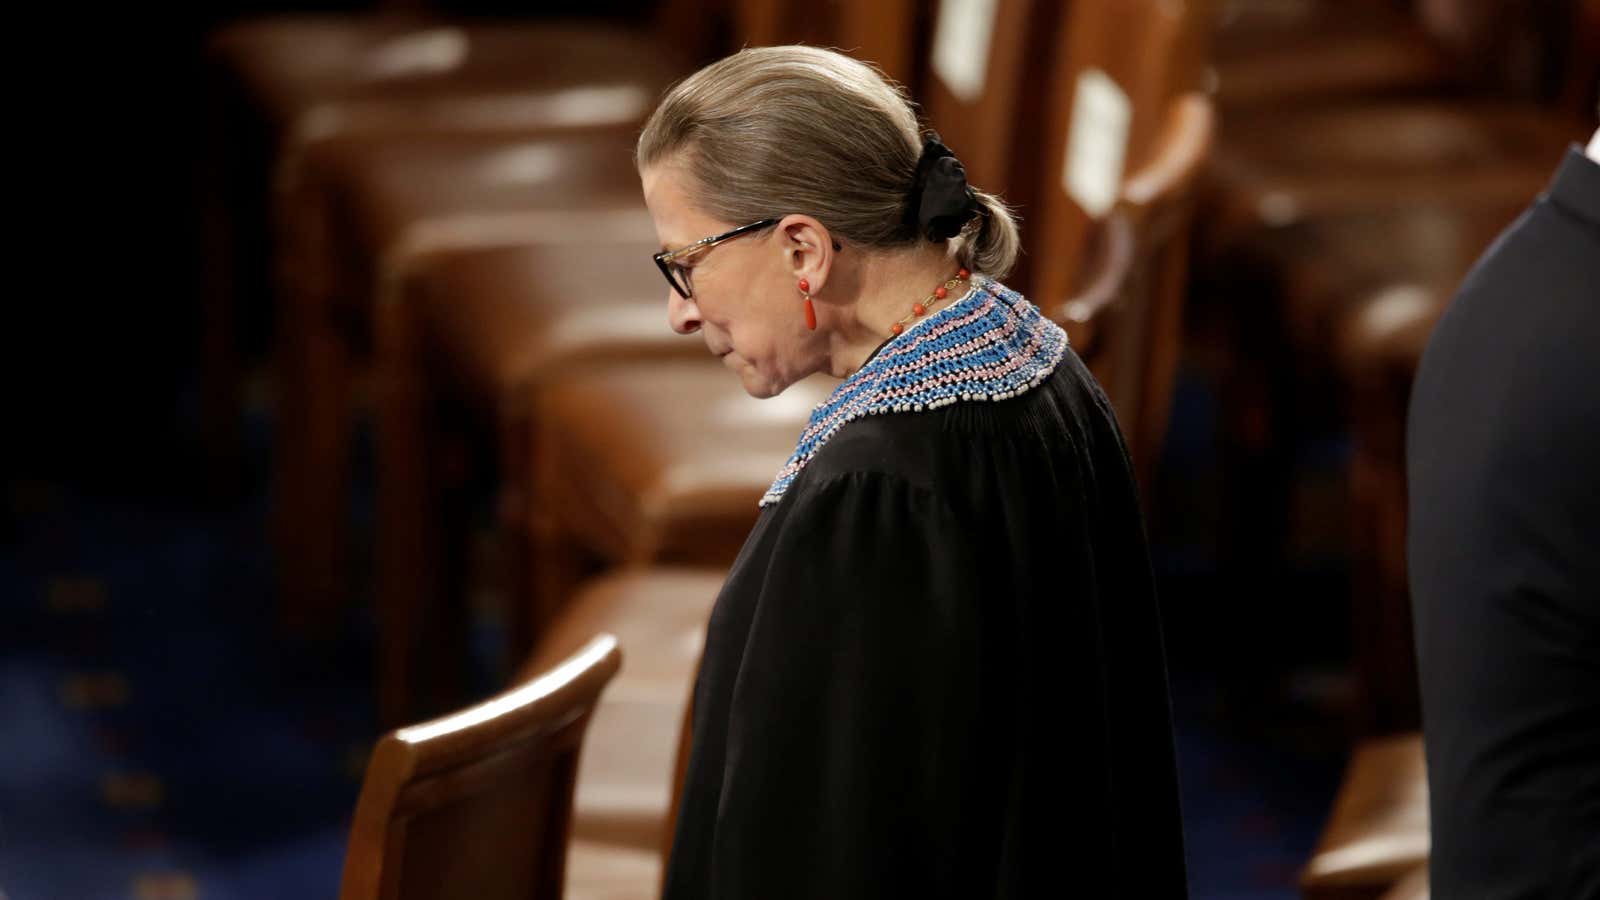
(989, 345)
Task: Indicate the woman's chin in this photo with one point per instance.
(757, 384)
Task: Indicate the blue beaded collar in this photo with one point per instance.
(989, 345)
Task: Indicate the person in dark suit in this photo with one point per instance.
(1503, 464)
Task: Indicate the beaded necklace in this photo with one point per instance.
(989, 345)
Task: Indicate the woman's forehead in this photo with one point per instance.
(666, 195)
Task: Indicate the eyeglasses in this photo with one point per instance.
(678, 276)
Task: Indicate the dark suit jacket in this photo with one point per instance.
(1503, 464)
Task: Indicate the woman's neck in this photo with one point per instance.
(885, 287)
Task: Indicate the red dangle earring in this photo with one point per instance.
(811, 311)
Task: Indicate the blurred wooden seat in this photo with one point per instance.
(478, 803)
(1275, 170)
(1385, 334)
(279, 85)
(1297, 162)
(1411, 887)
(363, 210)
(489, 321)
(598, 871)
(1127, 139)
(463, 348)
(1300, 157)
(1313, 208)
(1380, 342)
(1377, 832)
(313, 76)
(985, 102)
(361, 216)
(1321, 266)
(1126, 320)
(651, 463)
(1342, 300)
(885, 33)
(628, 774)
(1271, 54)
(1491, 140)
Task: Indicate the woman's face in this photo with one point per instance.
(746, 304)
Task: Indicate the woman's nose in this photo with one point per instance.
(682, 314)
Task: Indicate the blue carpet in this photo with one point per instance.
(157, 743)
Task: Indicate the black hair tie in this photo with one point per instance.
(941, 201)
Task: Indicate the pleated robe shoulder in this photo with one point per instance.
(936, 670)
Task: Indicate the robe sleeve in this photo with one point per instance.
(854, 717)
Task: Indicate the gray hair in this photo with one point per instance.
(774, 130)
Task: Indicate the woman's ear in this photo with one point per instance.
(809, 249)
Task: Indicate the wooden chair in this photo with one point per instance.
(1378, 343)
(353, 226)
(1269, 54)
(1128, 140)
(1377, 833)
(884, 32)
(981, 94)
(1299, 162)
(1306, 201)
(1380, 347)
(277, 86)
(1121, 67)
(1343, 307)
(462, 350)
(1412, 887)
(631, 768)
(652, 463)
(1126, 323)
(478, 803)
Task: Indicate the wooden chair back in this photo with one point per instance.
(883, 32)
(983, 92)
(1127, 322)
(1127, 136)
(478, 803)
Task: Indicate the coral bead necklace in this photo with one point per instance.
(920, 309)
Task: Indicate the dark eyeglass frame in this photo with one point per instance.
(664, 259)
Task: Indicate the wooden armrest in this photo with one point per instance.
(1172, 174)
(1387, 331)
(1149, 195)
(1111, 267)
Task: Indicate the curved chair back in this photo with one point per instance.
(478, 803)
(882, 32)
(1127, 322)
(983, 92)
(1128, 135)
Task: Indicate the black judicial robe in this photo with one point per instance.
(1503, 466)
(936, 670)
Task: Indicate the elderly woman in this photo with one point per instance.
(935, 669)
